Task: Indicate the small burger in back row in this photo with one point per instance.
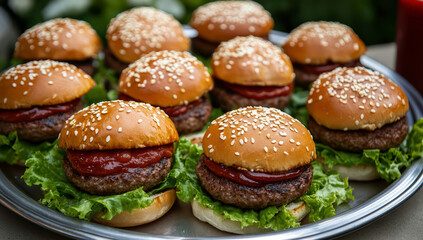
(250, 71)
(318, 47)
(174, 81)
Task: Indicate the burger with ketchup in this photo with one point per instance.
(113, 148)
(318, 47)
(174, 81)
(254, 158)
(250, 71)
(38, 97)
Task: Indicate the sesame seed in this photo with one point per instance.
(108, 138)
(237, 153)
(265, 149)
(109, 127)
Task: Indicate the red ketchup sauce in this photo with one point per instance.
(319, 69)
(170, 111)
(259, 92)
(107, 162)
(35, 113)
(251, 179)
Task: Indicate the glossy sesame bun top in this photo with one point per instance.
(138, 31)
(223, 20)
(60, 39)
(117, 125)
(259, 139)
(166, 78)
(355, 98)
(41, 83)
(322, 42)
(252, 61)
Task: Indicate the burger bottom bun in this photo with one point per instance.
(298, 209)
(360, 172)
(160, 206)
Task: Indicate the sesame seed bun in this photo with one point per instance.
(322, 42)
(117, 125)
(259, 139)
(41, 83)
(355, 98)
(58, 39)
(252, 61)
(220, 21)
(165, 79)
(138, 31)
(161, 205)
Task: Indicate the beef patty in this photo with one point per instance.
(388, 136)
(113, 62)
(85, 65)
(194, 119)
(146, 177)
(272, 194)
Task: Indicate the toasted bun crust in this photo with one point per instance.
(252, 61)
(161, 205)
(355, 98)
(299, 210)
(166, 78)
(323, 42)
(58, 39)
(138, 31)
(259, 139)
(117, 125)
(40, 83)
(360, 172)
(220, 21)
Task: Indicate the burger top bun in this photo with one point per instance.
(355, 98)
(259, 139)
(58, 39)
(322, 42)
(138, 31)
(165, 79)
(223, 20)
(117, 125)
(41, 83)
(252, 61)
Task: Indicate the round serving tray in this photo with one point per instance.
(372, 199)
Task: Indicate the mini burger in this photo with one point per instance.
(221, 21)
(250, 71)
(116, 147)
(318, 47)
(253, 158)
(139, 31)
(174, 81)
(37, 97)
(353, 109)
(62, 39)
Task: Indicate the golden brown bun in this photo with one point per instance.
(355, 98)
(298, 210)
(252, 61)
(322, 42)
(220, 21)
(165, 79)
(58, 39)
(40, 83)
(161, 205)
(117, 125)
(138, 31)
(259, 139)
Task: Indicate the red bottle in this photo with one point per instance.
(409, 61)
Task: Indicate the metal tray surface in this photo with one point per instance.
(372, 199)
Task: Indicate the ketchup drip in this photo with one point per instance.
(107, 162)
(35, 113)
(259, 92)
(251, 179)
(170, 111)
(319, 69)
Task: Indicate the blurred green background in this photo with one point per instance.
(373, 20)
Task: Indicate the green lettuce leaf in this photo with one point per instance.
(45, 169)
(13, 150)
(297, 106)
(327, 189)
(388, 164)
